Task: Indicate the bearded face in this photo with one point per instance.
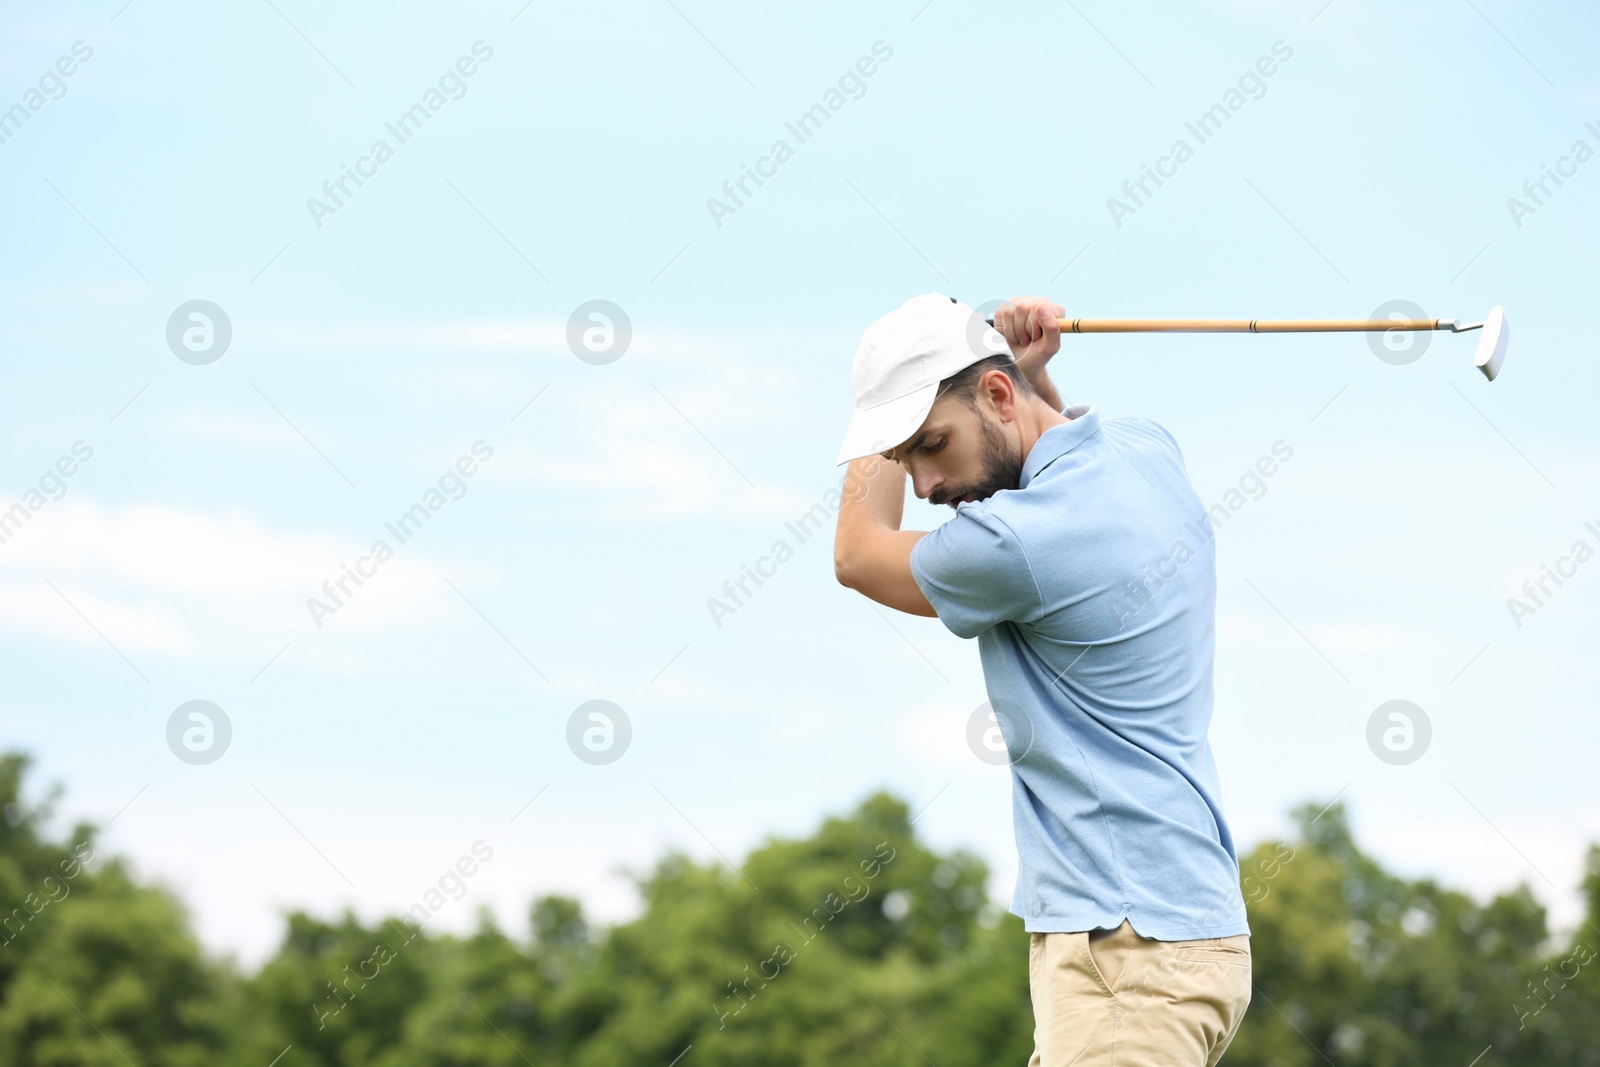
(999, 467)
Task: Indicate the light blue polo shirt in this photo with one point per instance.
(1092, 592)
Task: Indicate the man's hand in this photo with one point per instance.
(1029, 325)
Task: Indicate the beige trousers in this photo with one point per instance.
(1111, 997)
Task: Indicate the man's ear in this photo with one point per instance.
(997, 387)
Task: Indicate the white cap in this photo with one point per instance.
(900, 362)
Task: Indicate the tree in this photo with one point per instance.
(855, 945)
(97, 969)
(1357, 965)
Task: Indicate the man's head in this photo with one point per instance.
(968, 447)
(938, 391)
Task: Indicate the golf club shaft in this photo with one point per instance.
(1245, 325)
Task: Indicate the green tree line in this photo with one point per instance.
(856, 945)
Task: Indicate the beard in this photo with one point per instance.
(1002, 469)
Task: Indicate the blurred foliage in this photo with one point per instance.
(856, 945)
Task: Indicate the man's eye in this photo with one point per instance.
(935, 446)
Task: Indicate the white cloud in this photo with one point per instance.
(515, 336)
(33, 607)
(648, 483)
(1470, 854)
(138, 572)
(641, 459)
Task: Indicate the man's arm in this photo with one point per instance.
(871, 554)
(1029, 325)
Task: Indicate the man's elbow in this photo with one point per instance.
(844, 556)
(844, 568)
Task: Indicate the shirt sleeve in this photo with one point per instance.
(1173, 441)
(974, 572)
(1154, 438)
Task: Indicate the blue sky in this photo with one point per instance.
(373, 347)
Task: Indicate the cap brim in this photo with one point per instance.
(878, 429)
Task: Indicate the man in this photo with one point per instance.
(1081, 559)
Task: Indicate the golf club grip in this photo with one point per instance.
(1242, 325)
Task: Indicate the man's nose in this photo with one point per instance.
(924, 482)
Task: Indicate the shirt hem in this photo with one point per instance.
(1154, 931)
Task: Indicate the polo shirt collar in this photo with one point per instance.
(1058, 440)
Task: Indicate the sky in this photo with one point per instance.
(583, 487)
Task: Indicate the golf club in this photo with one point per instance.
(1491, 351)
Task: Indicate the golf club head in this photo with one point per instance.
(1492, 343)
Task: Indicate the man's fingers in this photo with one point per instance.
(1029, 321)
(1015, 317)
(1002, 322)
(1052, 327)
(1016, 327)
(1044, 321)
(1029, 328)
